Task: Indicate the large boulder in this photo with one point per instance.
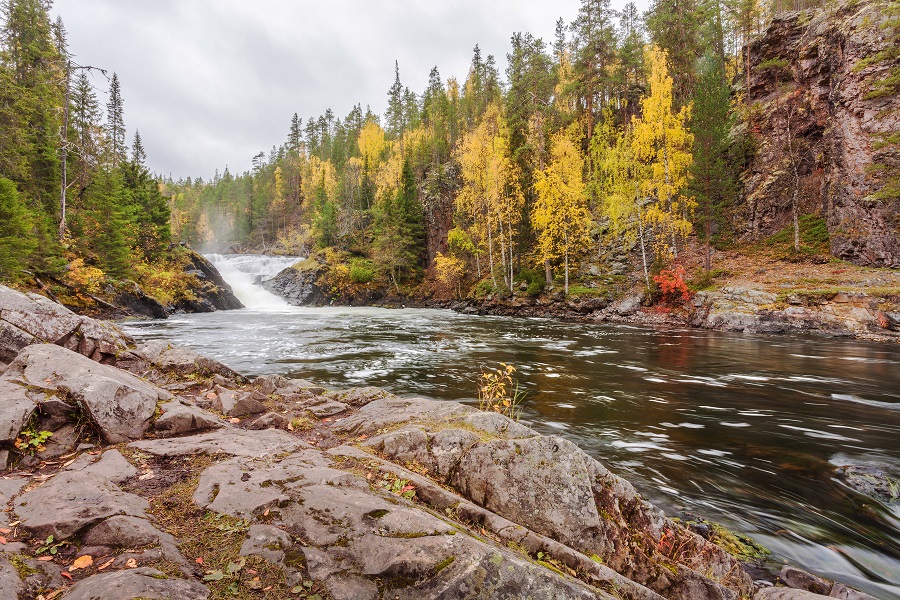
(355, 535)
(549, 486)
(210, 291)
(32, 319)
(120, 404)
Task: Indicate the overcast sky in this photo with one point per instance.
(214, 82)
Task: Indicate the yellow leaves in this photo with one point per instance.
(85, 277)
(371, 143)
(490, 195)
(662, 141)
(560, 213)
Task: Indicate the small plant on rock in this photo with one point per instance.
(499, 392)
(30, 441)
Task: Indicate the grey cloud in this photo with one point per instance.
(213, 82)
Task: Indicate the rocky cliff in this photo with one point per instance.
(813, 130)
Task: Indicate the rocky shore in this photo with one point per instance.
(865, 314)
(148, 471)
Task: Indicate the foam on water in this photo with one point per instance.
(245, 272)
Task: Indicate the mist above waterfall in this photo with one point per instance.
(245, 274)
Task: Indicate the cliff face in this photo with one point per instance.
(814, 131)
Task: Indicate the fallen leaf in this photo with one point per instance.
(68, 462)
(252, 571)
(5, 530)
(106, 564)
(2, 540)
(199, 560)
(66, 575)
(266, 513)
(266, 589)
(254, 584)
(45, 558)
(234, 420)
(211, 396)
(326, 420)
(82, 562)
(131, 564)
(146, 476)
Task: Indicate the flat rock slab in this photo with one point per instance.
(70, 501)
(121, 404)
(9, 487)
(10, 582)
(178, 417)
(355, 535)
(16, 407)
(111, 466)
(392, 411)
(144, 583)
(235, 442)
(182, 361)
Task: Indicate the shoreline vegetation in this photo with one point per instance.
(207, 485)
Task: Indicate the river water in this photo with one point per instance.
(743, 429)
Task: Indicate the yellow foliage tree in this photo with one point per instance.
(449, 271)
(371, 143)
(490, 194)
(560, 214)
(663, 142)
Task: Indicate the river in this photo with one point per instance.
(743, 429)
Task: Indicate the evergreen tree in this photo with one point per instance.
(394, 116)
(713, 182)
(115, 123)
(594, 53)
(295, 135)
(16, 236)
(674, 26)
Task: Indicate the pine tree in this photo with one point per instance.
(594, 52)
(674, 26)
(30, 97)
(295, 135)
(115, 123)
(394, 115)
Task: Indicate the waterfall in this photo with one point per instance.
(245, 272)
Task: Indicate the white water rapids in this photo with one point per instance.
(245, 272)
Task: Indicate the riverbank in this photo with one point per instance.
(762, 295)
(281, 484)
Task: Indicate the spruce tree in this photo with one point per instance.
(713, 178)
(115, 123)
(16, 236)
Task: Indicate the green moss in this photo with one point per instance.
(739, 546)
(21, 567)
(444, 564)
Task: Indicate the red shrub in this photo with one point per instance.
(671, 284)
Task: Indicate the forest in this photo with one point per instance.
(622, 139)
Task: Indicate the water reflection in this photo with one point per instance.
(742, 429)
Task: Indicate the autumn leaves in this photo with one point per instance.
(635, 178)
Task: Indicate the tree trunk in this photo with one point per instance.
(643, 251)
